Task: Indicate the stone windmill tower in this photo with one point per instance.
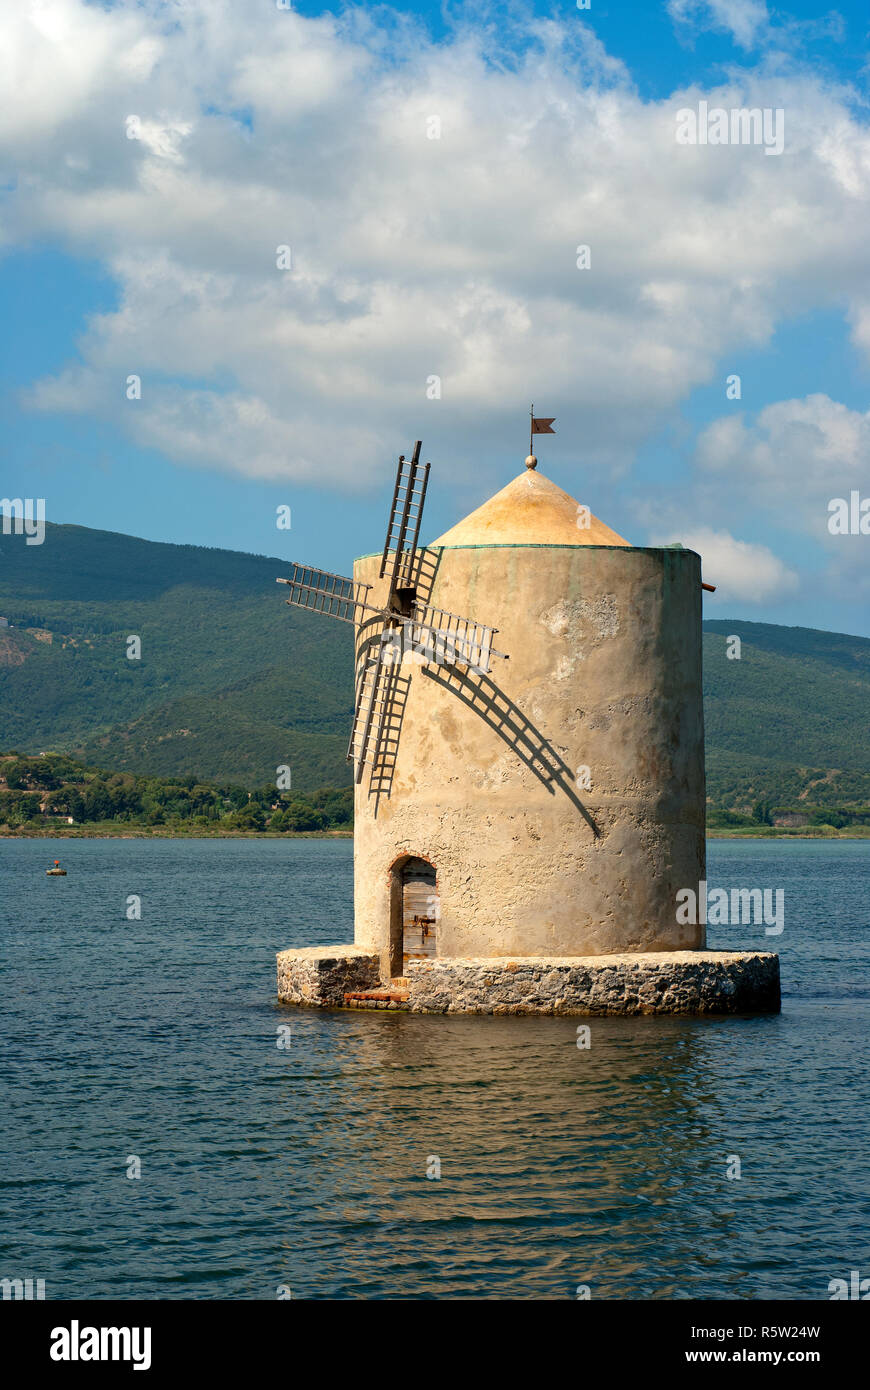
(543, 802)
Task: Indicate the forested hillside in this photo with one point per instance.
(232, 683)
(789, 722)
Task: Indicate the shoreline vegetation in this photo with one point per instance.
(166, 832)
(854, 832)
(113, 831)
(52, 796)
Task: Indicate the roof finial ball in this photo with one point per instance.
(542, 424)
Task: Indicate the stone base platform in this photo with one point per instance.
(661, 982)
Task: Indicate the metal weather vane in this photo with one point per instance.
(538, 424)
(433, 634)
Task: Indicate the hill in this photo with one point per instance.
(232, 683)
(787, 722)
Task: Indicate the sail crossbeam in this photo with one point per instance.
(372, 709)
(453, 638)
(332, 594)
(403, 529)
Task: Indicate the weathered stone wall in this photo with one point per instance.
(669, 982)
(604, 671)
(673, 982)
(321, 975)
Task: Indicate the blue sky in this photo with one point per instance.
(452, 256)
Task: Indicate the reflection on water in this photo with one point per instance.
(307, 1166)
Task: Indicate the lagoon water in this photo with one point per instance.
(304, 1168)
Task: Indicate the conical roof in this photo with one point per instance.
(531, 510)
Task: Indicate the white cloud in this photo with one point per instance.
(789, 462)
(741, 571)
(743, 19)
(412, 257)
(775, 474)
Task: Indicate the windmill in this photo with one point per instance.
(406, 622)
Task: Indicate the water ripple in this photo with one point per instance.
(308, 1167)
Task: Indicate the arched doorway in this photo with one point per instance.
(413, 912)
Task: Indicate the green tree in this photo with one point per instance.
(249, 818)
(98, 803)
(298, 816)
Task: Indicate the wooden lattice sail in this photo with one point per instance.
(404, 623)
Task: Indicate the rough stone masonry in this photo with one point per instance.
(672, 982)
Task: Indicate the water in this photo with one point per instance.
(306, 1168)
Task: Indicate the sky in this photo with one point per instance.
(250, 252)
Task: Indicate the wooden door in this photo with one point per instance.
(419, 910)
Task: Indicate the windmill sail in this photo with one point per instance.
(408, 626)
(371, 715)
(332, 594)
(403, 530)
(452, 638)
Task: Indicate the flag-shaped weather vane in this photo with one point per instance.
(539, 425)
